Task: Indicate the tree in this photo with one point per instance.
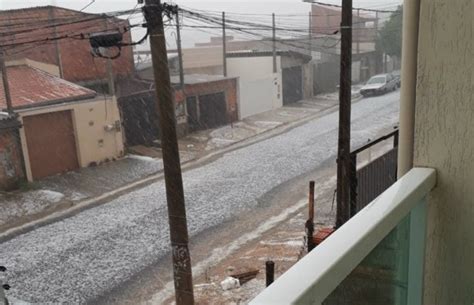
(389, 38)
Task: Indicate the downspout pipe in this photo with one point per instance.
(411, 18)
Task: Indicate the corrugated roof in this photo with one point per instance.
(30, 87)
(191, 79)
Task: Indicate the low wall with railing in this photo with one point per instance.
(315, 278)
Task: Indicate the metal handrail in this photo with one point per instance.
(314, 277)
(370, 144)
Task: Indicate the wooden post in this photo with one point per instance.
(269, 272)
(183, 279)
(311, 201)
(310, 222)
(344, 140)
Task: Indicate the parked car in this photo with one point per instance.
(396, 74)
(379, 84)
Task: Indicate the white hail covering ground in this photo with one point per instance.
(83, 257)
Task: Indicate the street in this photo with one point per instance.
(84, 257)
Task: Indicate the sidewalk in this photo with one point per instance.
(64, 192)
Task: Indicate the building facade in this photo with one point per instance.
(64, 126)
(72, 55)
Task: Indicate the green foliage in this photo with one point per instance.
(389, 38)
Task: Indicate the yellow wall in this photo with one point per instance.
(444, 139)
(93, 142)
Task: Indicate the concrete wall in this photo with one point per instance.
(260, 89)
(444, 139)
(94, 143)
(11, 169)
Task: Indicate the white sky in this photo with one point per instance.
(228, 5)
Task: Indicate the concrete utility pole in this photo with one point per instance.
(310, 33)
(6, 85)
(358, 27)
(274, 44)
(344, 142)
(109, 67)
(224, 45)
(183, 280)
(56, 43)
(180, 52)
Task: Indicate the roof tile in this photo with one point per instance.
(31, 87)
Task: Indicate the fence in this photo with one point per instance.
(374, 178)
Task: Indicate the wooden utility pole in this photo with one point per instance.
(6, 85)
(224, 45)
(183, 280)
(344, 142)
(274, 44)
(180, 52)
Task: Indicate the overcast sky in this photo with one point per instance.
(221, 5)
(191, 36)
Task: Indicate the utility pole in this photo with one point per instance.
(358, 31)
(344, 142)
(274, 44)
(56, 43)
(183, 281)
(224, 45)
(310, 34)
(180, 52)
(6, 85)
(376, 25)
(109, 67)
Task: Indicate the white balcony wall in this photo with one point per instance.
(444, 139)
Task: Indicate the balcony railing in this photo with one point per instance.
(375, 258)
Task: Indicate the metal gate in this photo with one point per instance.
(292, 85)
(374, 178)
(212, 110)
(51, 143)
(139, 118)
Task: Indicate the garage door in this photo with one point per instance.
(51, 143)
(212, 108)
(292, 85)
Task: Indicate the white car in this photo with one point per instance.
(379, 84)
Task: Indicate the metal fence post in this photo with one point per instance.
(270, 272)
(353, 181)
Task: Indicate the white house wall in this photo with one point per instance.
(260, 89)
(444, 139)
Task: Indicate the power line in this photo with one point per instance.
(354, 8)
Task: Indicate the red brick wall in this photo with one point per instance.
(77, 61)
(11, 169)
(229, 86)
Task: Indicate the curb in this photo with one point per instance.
(190, 164)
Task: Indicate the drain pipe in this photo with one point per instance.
(411, 17)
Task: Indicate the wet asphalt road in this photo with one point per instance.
(83, 257)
